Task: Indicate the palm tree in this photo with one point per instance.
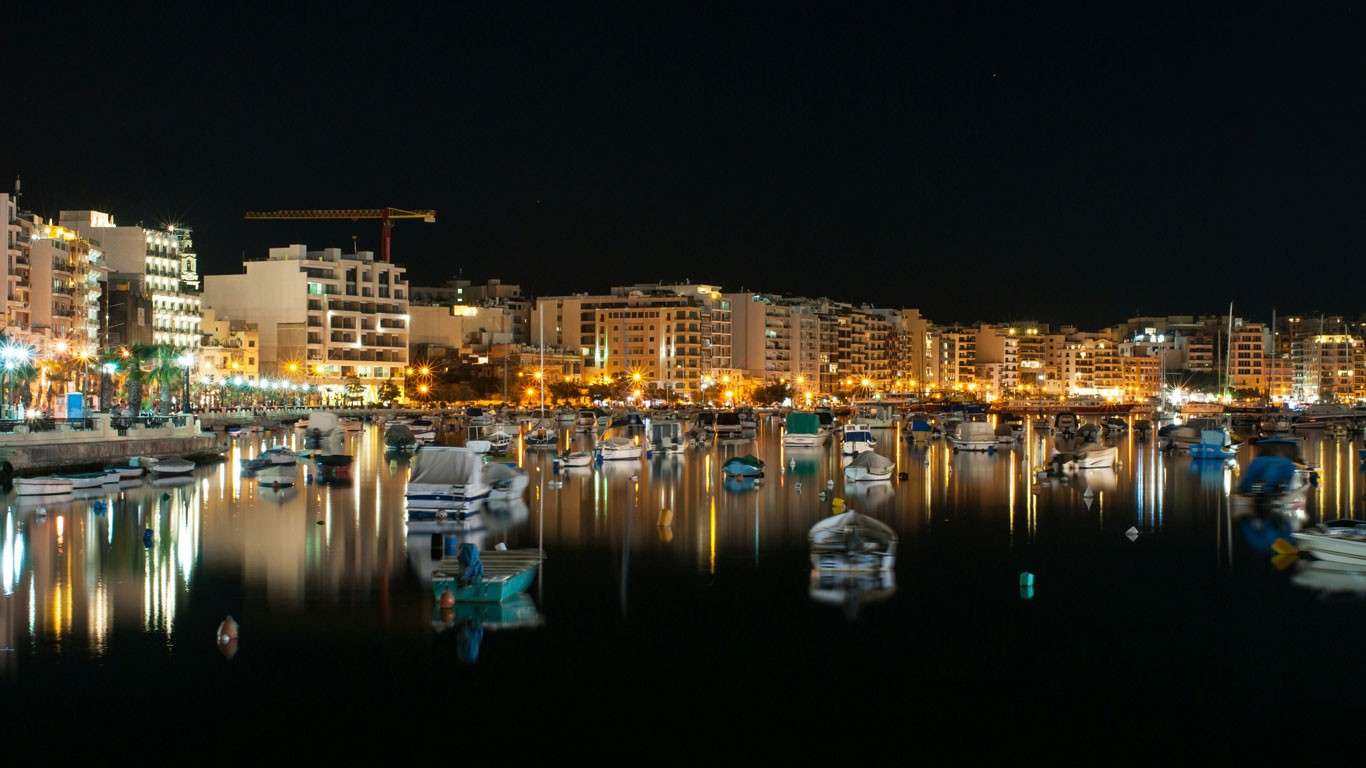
(153, 364)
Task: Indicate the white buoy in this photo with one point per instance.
(1088, 494)
(501, 546)
(1132, 533)
(829, 483)
(635, 478)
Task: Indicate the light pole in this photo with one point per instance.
(186, 361)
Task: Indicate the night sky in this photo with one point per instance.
(979, 162)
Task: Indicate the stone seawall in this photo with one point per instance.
(67, 449)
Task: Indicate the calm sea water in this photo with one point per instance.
(706, 638)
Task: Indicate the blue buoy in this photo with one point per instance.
(452, 545)
(147, 538)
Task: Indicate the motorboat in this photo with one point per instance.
(135, 467)
(855, 438)
(499, 441)
(876, 415)
(666, 437)
(446, 482)
(1176, 437)
(1277, 480)
(1335, 541)
(920, 426)
(333, 467)
(869, 467)
(748, 465)
(1089, 455)
(505, 480)
(1066, 424)
(728, 425)
(575, 459)
(1214, 445)
(1114, 425)
(852, 541)
(619, 448)
(279, 455)
(804, 430)
(972, 436)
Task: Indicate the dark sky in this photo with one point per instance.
(979, 161)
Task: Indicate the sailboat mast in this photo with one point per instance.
(541, 331)
(1228, 353)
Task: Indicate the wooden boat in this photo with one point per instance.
(485, 577)
(1336, 541)
(46, 485)
(82, 479)
(851, 541)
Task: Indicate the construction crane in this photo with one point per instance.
(385, 215)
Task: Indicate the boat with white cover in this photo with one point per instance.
(851, 541)
(869, 467)
(972, 436)
(446, 482)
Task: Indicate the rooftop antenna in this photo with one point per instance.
(17, 192)
(355, 247)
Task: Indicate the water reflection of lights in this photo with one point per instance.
(11, 555)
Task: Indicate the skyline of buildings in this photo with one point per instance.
(331, 319)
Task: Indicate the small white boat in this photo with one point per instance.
(666, 437)
(869, 467)
(1086, 456)
(575, 459)
(278, 475)
(41, 486)
(505, 480)
(170, 467)
(447, 482)
(1336, 541)
(82, 479)
(851, 541)
(619, 448)
(804, 431)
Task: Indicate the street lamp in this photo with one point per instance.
(186, 361)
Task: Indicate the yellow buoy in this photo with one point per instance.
(1283, 547)
(666, 517)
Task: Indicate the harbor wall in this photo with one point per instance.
(104, 443)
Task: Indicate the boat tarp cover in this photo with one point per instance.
(1267, 472)
(446, 465)
(749, 460)
(323, 421)
(975, 430)
(496, 472)
(858, 437)
(834, 533)
(399, 434)
(803, 424)
(471, 567)
(871, 460)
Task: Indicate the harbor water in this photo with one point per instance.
(1116, 615)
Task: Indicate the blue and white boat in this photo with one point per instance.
(856, 438)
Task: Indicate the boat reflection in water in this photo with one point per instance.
(1331, 580)
(466, 622)
(851, 589)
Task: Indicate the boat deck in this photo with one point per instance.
(499, 564)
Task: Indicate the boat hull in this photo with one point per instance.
(506, 573)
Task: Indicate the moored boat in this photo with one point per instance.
(483, 577)
(869, 467)
(852, 541)
(743, 466)
(45, 485)
(171, 467)
(1336, 541)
